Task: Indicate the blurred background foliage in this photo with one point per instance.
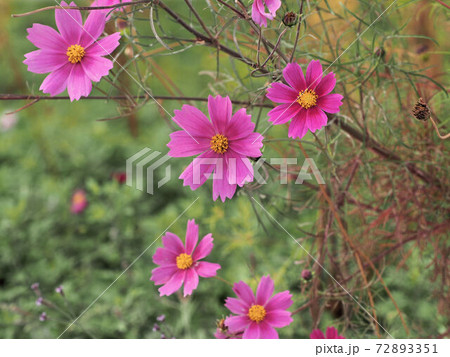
(57, 147)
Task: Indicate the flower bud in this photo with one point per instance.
(306, 275)
(290, 19)
(161, 318)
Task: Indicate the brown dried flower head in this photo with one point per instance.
(421, 110)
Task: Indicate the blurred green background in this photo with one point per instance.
(57, 147)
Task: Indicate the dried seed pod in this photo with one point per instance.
(421, 110)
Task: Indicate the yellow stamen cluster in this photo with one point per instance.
(78, 198)
(75, 53)
(184, 261)
(257, 313)
(307, 98)
(219, 144)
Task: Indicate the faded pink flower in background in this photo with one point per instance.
(120, 177)
(331, 333)
(181, 263)
(259, 14)
(224, 145)
(258, 316)
(79, 202)
(8, 121)
(109, 3)
(305, 100)
(73, 57)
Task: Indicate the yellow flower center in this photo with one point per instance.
(257, 313)
(219, 144)
(78, 198)
(307, 98)
(184, 261)
(75, 53)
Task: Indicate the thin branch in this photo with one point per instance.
(123, 97)
(300, 18)
(86, 8)
(443, 137)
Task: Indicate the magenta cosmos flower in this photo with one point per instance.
(257, 316)
(331, 333)
(180, 263)
(74, 57)
(224, 145)
(259, 14)
(110, 3)
(305, 100)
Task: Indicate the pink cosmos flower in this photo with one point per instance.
(109, 3)
(180, 263)
(331, 333)
(259, 14)
(305, 100)
(257, 316)
(73, 57)
(79, 202)
(224, 145)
